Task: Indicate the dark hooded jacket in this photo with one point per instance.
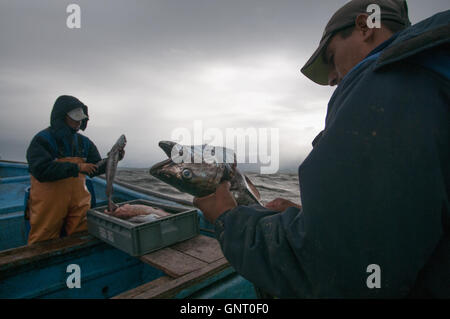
(59, 141)
(375, 188)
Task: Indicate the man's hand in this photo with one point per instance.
(281, 204)
(217, 203)
(87, 168)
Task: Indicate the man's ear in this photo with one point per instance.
(362, 28)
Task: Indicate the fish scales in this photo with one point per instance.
(199, 169)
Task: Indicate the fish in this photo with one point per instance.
(112, 160)
(138, 213)
(199, 169)
(127, 211)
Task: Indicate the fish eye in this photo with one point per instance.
(186, 173)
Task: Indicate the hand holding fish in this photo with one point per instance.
(217, 203)
(281, 204)
(87, 168)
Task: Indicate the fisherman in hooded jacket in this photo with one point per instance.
(59, 159)
(375, 215)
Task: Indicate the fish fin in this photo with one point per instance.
(167, 146)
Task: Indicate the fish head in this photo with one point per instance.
(186, 173)
(119, 145)
(122, 141)
(196, 179)
(198, 170)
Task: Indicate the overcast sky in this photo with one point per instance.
(145, 68)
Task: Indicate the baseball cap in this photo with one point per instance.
(393, 10)
(77, 114)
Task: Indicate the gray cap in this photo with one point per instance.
(393, 10)
(77, 114)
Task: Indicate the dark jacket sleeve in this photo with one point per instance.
(94, 157)
(267, 248)
(374, 192)
(42, 164)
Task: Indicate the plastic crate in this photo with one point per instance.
(140, 239)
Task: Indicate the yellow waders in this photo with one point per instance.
(58, 204)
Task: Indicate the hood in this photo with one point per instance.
(64, 104)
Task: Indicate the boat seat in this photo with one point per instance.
(27, 256)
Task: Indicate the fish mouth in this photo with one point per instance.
(166, 171)
(157, 171)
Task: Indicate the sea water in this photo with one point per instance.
(284, 185)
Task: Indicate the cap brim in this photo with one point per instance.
(79, 118)
(316, 69)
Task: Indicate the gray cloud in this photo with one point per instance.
(148, 67)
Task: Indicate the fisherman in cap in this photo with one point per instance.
(375, 215)
(59, 159)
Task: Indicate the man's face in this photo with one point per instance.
(72, 123)
(342, 55)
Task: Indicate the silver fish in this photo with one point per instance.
(198, 170)
(111, 167)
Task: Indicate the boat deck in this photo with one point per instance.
(188, 266)
(185, 264)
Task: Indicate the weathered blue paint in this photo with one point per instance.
(13, 169)
(105, 272)
(12, 230)
(12, 192)
(11, 196)
(15, 179)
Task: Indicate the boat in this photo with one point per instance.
(194, 268)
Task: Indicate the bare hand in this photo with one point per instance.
(217, 203)
(281, 204)
(87, 168)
